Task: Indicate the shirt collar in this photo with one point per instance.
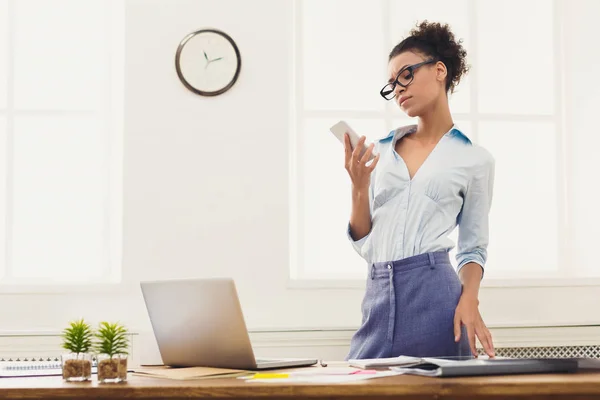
(405, 130)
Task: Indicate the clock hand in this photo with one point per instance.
(205, 56)
(210, 61)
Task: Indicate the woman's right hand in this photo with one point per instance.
(359, 171)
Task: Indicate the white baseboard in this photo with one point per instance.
(326, 344)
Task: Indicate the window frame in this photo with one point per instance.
(299, 278)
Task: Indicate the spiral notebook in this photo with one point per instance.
(13, 369)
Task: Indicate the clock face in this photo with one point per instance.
(208, 62)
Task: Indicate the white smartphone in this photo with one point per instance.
(341, 128)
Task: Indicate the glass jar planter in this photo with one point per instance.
(112, 369)
(76, 367)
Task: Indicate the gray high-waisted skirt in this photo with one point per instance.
(408, 309)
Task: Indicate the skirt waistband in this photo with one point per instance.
(405, 264)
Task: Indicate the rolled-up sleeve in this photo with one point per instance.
(357, 244)
(473, 220)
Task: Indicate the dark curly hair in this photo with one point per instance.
(437, 41)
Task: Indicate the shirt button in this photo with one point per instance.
(389, 266)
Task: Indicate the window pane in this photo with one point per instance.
(524, 215)
(60, 54)
(343, 55)
(3, 51)
(3, 156)
(60, 189)
(460, 99)
(516, 66)
(404, 16)
(583, 104)
(325, 193)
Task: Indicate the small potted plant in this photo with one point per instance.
(111, 346)
(77, 365)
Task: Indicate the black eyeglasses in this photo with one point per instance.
(404, 78)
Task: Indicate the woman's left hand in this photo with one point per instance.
(467, 314)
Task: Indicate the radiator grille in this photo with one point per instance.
(547, 352)
(509, 352)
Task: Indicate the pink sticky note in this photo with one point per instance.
(364, 372)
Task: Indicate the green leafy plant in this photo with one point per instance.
(111, 339)
(77, 337)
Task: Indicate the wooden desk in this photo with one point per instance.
(564, 386)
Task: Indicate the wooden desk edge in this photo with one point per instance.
(567, 385)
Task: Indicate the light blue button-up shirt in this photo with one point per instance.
(452, 188)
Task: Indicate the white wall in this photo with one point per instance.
(205, 179)
(206, 186)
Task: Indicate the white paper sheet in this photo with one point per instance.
(325, 378)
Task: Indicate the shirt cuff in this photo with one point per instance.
(357, 244)
(471, 259)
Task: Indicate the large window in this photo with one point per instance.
(521, 100)
(61, 89)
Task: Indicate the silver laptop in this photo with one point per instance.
(199, 322)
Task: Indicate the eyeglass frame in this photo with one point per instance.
(395, 82)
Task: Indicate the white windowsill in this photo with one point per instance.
(486, 283)
(294, 284)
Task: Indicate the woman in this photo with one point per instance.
(425, 180)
